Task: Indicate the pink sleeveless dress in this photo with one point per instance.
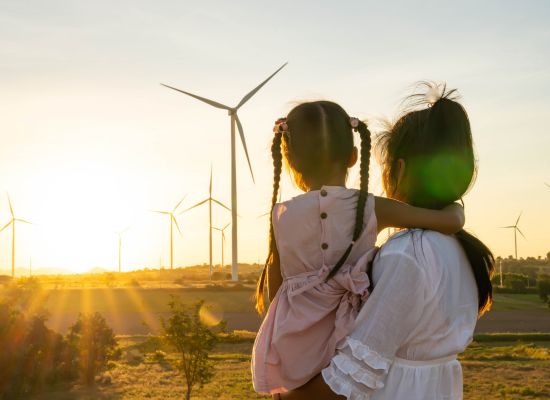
(309, 317)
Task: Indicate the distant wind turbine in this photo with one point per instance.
(516, 229)
(222, 230)
(278, 201)
(120, 234)
(209, 199)
(12, 223)
(232, 111)
(172, 222)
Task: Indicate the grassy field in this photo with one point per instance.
(518, 302)
(502, 366)
(136, 310)
(492, 370)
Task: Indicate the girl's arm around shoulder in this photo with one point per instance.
(393, 213)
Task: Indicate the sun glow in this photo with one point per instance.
(82, 208)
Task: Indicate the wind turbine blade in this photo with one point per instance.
(177, 205)
(22, 220)
(5, 226)
(176, 222)
(508, 227)
(11, 208)
(210, 189)
(518, 218)
(263, 215)
(200, 203)
(521, 233)
(161, 212)
(255, 90)
(221, 204)
(203, 99)
(225, 227)
(243, 140)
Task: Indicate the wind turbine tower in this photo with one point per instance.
(234, 121)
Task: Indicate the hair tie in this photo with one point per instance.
(354, 122)
(280, 126)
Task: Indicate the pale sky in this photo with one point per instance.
(92, 142)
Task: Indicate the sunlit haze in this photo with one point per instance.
(92, 143)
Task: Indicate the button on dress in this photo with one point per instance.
(309, 317)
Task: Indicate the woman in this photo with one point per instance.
(430, 288)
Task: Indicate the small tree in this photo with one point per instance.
(94, 344)
(543, 286)
(193, 340)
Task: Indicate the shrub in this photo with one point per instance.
(133, 283)
(543, 287)
(93, 343)
(193, 341)
(158, 356)
(36, 355)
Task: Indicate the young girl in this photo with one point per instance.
(321, 243)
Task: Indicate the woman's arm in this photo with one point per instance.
(393, 213)
(274, 276)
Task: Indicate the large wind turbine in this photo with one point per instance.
(516, 229)
(209, 199)
(172, 222)
(12, 223)
(222, 230)
(232, 111)
(120, 233)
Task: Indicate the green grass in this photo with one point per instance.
(506, 371)
(518, 302)
(492, 370)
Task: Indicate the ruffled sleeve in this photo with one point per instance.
(362, 362)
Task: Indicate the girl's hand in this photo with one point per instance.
(456, 210)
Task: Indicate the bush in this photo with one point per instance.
(193, 341)
(36, 355)
(158, 356)
(543, 287)
(94, 344)
(514, 283)
(133, 283)
(220, 276)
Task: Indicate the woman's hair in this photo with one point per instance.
(315, 139)
(434, 139)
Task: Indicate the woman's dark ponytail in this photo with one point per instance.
(482, 262)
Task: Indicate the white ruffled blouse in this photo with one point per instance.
(420, 315)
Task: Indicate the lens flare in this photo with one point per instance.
(211, 314)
